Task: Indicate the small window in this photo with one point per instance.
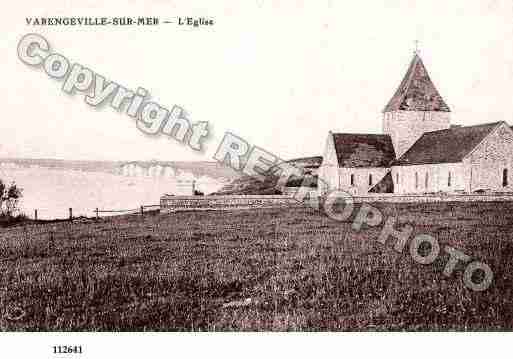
(416, 180)
(352, 179)
(504, 177)
(426, 180)
(449, 179)
(397, 178)
(370, 179)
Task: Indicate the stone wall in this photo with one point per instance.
(484, 167)
(169, 204)
(328, 171)
(430, 198)
(188, 203)
(361, 183)
(406, 127)
(412, 179)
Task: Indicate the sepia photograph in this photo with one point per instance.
(218, 176)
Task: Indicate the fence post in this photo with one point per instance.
(97, 216)
(142, 210)
(71, 214)
(35, 214)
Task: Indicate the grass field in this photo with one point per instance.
(271, 269)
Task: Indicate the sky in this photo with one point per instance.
(279, 74)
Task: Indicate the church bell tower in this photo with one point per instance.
(415, 108)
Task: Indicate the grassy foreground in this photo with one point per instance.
(270, 269)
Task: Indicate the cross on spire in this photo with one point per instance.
(416, 52)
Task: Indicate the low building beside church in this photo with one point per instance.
(419, 150)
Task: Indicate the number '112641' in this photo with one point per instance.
(67, 349)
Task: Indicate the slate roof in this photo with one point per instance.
(363, 150)
(307, 162)
(446, 146)
(416, 91)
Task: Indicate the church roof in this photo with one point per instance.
(363, 150)
(416, 91)
(446, 146)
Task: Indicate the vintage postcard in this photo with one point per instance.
(237, 167)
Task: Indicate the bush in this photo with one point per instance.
(12, 220)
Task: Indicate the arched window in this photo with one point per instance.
(370, 179)
(416, 180)
(426, 181)
(352, 179)
(449, 179)
(504, 177)
(397, 178)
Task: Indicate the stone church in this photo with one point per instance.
(419, 150)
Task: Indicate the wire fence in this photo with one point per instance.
(98, 212)
(139, 210)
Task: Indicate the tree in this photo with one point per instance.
(10, 197)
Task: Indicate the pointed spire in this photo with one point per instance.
(416, 91)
